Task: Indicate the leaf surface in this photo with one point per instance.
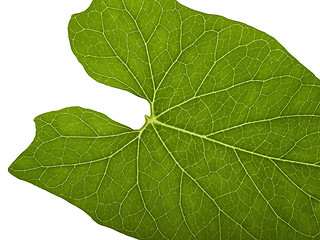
(230, 151)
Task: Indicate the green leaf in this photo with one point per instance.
(230, 151)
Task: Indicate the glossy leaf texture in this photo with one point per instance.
(230, 151)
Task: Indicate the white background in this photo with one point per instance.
(38, 73)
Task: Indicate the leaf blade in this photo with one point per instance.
(230, 150)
